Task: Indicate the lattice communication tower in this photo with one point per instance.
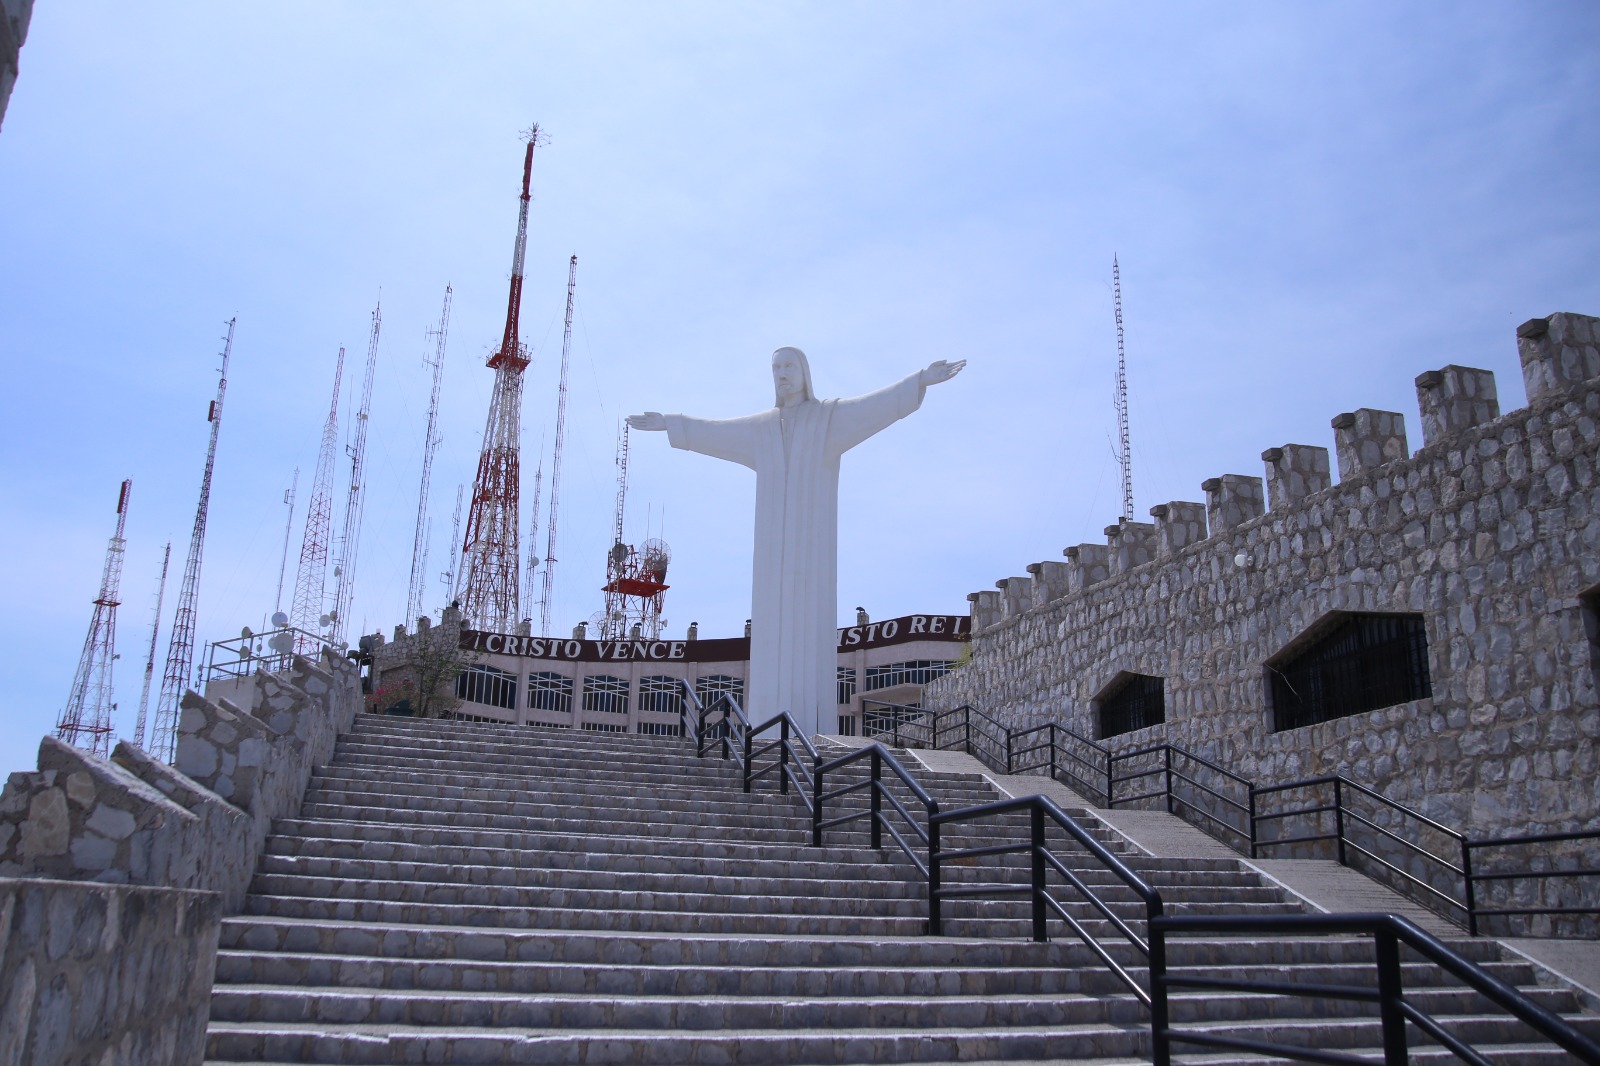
(416, 593)
(150, 660)
(311, 577)
(547, 593)
(180, 648)
(355, 504)
(490, 549)
(86, 719)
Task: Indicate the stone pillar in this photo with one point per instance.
(1087, 564)
(1558, 352)
(1130, 544)
(1016, 595)
(1232, 500)
(985, 609)
(1178, 525)
(1049, 581)
(1454, 398)
(1294, 472)
(1366, 439)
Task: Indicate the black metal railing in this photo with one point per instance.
(904, 726)
(878, 794)
(1044, 903)
(690, 713)
(1536, 868)
(1196, 789)
(785, 762)
(1389, 933)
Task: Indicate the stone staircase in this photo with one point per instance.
(463, 893)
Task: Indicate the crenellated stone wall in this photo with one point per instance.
(1491, 532)
(183, 841)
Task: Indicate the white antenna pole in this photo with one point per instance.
(1124, 456)
(430, 442)
(288, 527)
(555, 461)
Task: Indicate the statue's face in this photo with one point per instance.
(788, 377)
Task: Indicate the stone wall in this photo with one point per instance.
(80, 823)
(104, 974)
(1491, 532)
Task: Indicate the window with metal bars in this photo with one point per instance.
(1589, 607)
(604, 727)
(710, 689)
(660, 729)
(1359, 663)
(606, 693)
(915, 672)
(847, 725)
(846, 681)
(1138, 700)
(661, 693)
(486, 685)
(550, 692)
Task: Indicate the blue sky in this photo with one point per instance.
(1311, 203)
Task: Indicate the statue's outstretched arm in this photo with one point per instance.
(940, 370)
(650, 420)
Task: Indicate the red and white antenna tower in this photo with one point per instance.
(86, 719)
(150, 660)
(489, 552)
(416, 594)
(1124, 453)
(635, 588)
(355, 504)
(545, 594)
(180, 648)
(310, 580)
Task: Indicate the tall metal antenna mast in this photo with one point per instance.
(150, 660)
(180, 648)
(1124, 454)
(355, 504)
(489, 553)
(430, 443)
(449, 576)
(310, 580)
(555, 460)
(622, 484)
(86, 719)
(530, 573)
(288, 528)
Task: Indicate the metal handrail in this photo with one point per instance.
(880, 757)
(1039, 808)
(690, 721)
(1388, 931)
(788, 732)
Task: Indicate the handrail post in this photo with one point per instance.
(1036, 822)
(969, 730)
(816, 805)
(1167, 751)
(1252, 814)
(897, 727)
(877, 798)
(783, 755)
(1338, 816)
(1160, 1038)
(1110, 780)
(1390, 993)
(1471, 895)
(1009, 734)
(1052, 751)
(935, 922)
(747, 740)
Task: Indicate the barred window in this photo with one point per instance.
(484, 684)
(604, 727)
(846, 676)
(603, 692)
(661, 693)
(710, 689)
(660, 729)
(1136, 701)
(550, 692)
(1361, 663)
(847, 725)
(915, 672)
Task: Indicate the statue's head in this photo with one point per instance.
(791, 376)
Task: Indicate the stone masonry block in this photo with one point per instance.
(985, 609)
(1558, 352)
(1050, 581)
(224, 751)
(1087, 564)
(1454, 398)
(1232, 500)
(1178, 525)
(1130, 544)
(1294, 472)
(1366, 439)
(1016, 595)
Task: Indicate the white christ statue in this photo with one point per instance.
(794, 448)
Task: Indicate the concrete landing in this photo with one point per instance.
(1576, 962)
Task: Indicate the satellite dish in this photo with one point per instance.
(280, 619)
(245, 633)
(282, 643)
(324, 620)
(333, 616)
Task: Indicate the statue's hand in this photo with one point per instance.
(650, 420)
(941, 371)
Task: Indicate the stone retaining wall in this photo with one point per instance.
(1491, 532)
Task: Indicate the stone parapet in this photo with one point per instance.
(1016, 595)
(1178, 525)
(1558, 352)
(1294, 472)
(1455, 398)
(1130, 544)
(1366, 439)
(1232, 500)
(1050, 581)
(985, 609)
(1087, 565)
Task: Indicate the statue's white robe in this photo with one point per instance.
(795, 453)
